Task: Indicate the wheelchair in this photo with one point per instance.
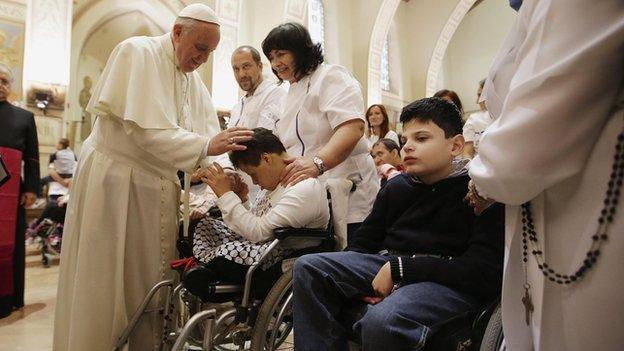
(232, 316)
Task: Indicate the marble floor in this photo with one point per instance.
(31, 328)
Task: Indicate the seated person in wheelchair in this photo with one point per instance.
(226, 248)
(419, 259)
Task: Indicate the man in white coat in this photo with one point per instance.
(259, 107)
(155, 116)
(556, 91)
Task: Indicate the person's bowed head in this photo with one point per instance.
(263, 157)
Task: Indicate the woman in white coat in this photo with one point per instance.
(323, 118)
(556, 91)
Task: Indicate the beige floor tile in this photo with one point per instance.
(31, 328)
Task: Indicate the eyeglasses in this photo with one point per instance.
(4, 81)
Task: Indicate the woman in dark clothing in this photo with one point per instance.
(18, 143)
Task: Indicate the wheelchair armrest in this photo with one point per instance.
(283, 233)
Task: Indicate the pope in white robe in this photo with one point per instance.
(155, 116)
(556, 91)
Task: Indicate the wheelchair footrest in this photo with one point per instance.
(198, 281)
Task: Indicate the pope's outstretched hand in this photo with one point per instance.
(228, 140)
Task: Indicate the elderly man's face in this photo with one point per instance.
(5, 86)
(248, 73)
(193, 45)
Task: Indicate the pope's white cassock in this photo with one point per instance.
(122, 220)
(556, 91)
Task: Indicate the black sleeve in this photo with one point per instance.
(477, 272)
(52, 158)
(31, 158)
(371, 234)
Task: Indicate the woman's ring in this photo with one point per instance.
(230, 140)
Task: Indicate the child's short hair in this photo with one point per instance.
(64, 142)
(388, 143)
(441, 112)
(262, 141)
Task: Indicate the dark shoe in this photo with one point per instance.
(202, 281)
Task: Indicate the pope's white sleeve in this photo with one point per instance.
(297, 208)
(176, 146)
(566, 82)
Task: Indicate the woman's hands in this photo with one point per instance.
(298, 169)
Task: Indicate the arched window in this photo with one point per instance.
(316, 21)
(385, 67)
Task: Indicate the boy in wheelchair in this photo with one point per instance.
(226, 248)
(419, 259)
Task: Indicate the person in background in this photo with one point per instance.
(322, 125)
(379, 125)
(387, 156)
(61, 166)
(475, 125)
(450, 96)
(19, 149)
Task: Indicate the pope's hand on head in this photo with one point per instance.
(216, 179)
(229, 140)
(298, 169)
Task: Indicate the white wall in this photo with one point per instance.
(473, 48)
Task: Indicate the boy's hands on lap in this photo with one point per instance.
(216, 179)
(382, 285)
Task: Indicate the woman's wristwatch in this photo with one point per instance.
(318, 162)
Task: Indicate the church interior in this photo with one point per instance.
(398, 50)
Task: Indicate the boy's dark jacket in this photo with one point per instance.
(410, 217)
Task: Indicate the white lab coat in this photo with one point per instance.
(261, 109)
(553, 89)
(121, 225)
(314, 107)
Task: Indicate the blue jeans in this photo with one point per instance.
(323, 284)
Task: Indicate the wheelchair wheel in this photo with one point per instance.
(493, 337)
(274, 322)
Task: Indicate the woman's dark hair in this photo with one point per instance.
(295, 38)
(384, 128)
(437, 110)
(262, 141)
(454, 97)
(389, 144)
